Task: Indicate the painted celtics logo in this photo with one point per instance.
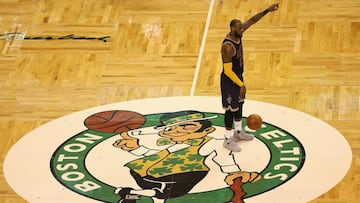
(172, 157)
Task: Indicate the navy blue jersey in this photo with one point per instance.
(230, 91)
(237, 59)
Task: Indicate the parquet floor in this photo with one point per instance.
(304, 56)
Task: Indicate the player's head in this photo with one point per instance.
(235, 27)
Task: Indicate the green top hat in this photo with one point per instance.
(178, 117)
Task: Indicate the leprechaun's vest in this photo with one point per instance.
(237, 59)
(165, 163)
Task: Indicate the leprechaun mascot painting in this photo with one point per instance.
(173, 171)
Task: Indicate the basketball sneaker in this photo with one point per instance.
(231, 145)
(241, 135)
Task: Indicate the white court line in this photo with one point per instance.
(202, 47)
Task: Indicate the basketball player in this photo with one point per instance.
(232, 84)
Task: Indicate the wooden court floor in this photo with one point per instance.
(58, 57)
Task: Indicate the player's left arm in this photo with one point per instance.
(258, 16)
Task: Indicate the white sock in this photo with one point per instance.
(228, 134)
(238, 125)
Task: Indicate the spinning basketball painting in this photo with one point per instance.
(172, 152)
(114, 121)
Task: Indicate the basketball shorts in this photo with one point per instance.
(230, 93)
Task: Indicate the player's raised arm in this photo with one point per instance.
(258, 16)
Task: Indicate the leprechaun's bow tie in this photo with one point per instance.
(168, 141)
